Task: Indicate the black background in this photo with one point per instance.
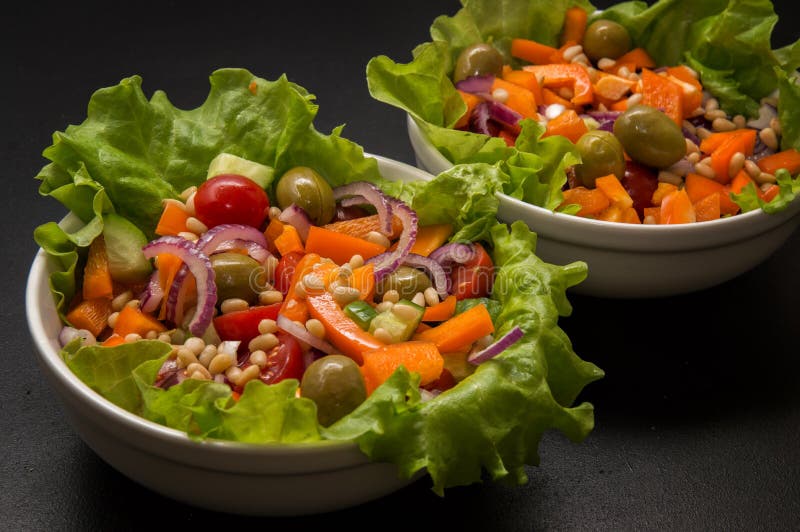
(697, 420)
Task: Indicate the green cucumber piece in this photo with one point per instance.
(227, 163)
(398, 322)
(360, 312)
(124, 242)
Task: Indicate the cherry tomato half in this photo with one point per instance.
(243, 324)
(474, 278)
(231, 199)
(285, 270)
(285, 361)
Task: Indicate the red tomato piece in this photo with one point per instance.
(285, 361)
(243, 324)
(285, 270)
(231, 199)
(474, 278)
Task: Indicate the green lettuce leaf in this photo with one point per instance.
(160, 150)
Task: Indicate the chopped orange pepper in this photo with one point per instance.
(612, 187)
(591, 200)
(569, 124)
(570, 74)
(662, 93)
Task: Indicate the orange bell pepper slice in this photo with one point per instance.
(568, 74)
(340, 330)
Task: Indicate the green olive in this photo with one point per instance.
(335, 384)
(478, 60)
(304, 187)
(237, 276)
(650, 137)
(406, 280)
(606, 38)
(601, 154)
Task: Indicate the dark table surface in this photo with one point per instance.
(697, 420)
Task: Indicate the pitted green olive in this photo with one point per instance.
(478, 60)
(606, 38)
(601, 154)
(650, 137)
(335, 384)
(406, 280)
(304, 187)
(237, 276)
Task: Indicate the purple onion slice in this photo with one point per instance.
(386, 263)
(480, 121)
(257, 251)
(152, 295)
(504, 114)
(297, 217)
(477, 84)
(200, 266)
(494, 349)
(439, 277)
(373, 196)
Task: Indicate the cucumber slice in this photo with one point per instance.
(124, 242)
(226, 163)
(360, 312)
(400, 322)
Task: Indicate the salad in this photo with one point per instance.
(240, 276)
(676, 112)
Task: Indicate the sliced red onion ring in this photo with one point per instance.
(480, 121)
(765, 115)
(494, 349)
(302, 334)
(458, 252)
(439, 278)
(169, 375)
(372, 195)
(200, 266)
(152, 295)
(386, 263)
(477, 84)
(503, 114)
(257, 251)
(218, 234)
(297, 217)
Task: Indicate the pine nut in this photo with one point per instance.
(264, 342)
(134, 303)
(691, 147)
(766, 178)
(196, 367)
(316, 328)
(688, 126)
(693, 157)
(199, 376)
(164, 337)
(356, 261)
(186, 194)
(623, 72)
(775, 125)
(634, 99)
(566, 92)
(345, 294)
(259, 358)
(752, 169)
(220, 363)
(112, 319)
(704, 170)
(267, 326)
(419, 299)
(132, 337)
(195, 344)
(382, 335)
(722, 124)
(570, 53)
(712, 104)
(312, 283)
(593, 74)
(378, 238)
(431, 296)
(269, 297)
(207, 355)
(665, 176)
(233, 373)
(249, 373)
(633, 76)
(405, 312)
(581, 59)
(604, 63)
(274, 212)
(601, 107)
(500, 95)
(736, 164)
(391, 295)
(185, 357)
(119, 302)
(703, 133)
(344, 274)
(151, 335)
(196, 226)
(715, 113)
(768, 137)
(740, 121)
(699, 111)
(189, 207)
(384, 306)
(188, 235)
(233, 304)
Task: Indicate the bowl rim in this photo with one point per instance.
(642, 237)
(37, 288)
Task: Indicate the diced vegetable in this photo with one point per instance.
(340, 330)
(417, 356)
(460, 330)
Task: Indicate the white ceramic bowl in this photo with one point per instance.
(224, 476)
(637, 261)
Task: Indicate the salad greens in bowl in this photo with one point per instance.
(634, 137)
(237, 298)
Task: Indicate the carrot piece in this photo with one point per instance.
(612, 87)
(90, 314)
(570, 74)
(574, 28)
(471, 102)
(416, 356)
(676, 208)
(289, 241)
(113, 340)
(788, 159)
(339, 247)
(442, 311)
(662, 190)
(549, 97)
(653, 213)
(770, 193)
(744, 142)
(360, 227)
(638, 57)
(568, 124)
(707, 208)
(431, 237)
(96, 275)
(134, 320)
(525, 79)
(173, 220)
(340, 330)
(461, 329)
(519, 99)
(532, 51)
(662, 93)
(591, 200)
(612, 187)
(294, 307)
